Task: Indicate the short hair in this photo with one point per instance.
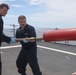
(4, 5)
(21, 17)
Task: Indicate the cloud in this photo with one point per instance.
(3, 1)
(35, 2)
(12, 16)
(20, 6)
(7, 0)
(57, 11)
(53, 11)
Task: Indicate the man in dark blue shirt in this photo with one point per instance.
(3, 38)
(28, 53)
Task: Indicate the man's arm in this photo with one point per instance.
(5, 38)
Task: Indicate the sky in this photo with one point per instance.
(42, 13)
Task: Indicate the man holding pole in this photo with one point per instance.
(28, 53)
(3, 11)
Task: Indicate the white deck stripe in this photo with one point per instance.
(6, 47)
(57, 50)
(51, 49)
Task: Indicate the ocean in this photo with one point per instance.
(39, 32)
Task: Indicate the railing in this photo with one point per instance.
(11, 30)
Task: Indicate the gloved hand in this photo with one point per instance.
(13, 40)
(24, 40)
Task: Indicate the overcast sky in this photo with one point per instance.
(43, 13)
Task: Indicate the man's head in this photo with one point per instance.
(22, 21)
(3, 9)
